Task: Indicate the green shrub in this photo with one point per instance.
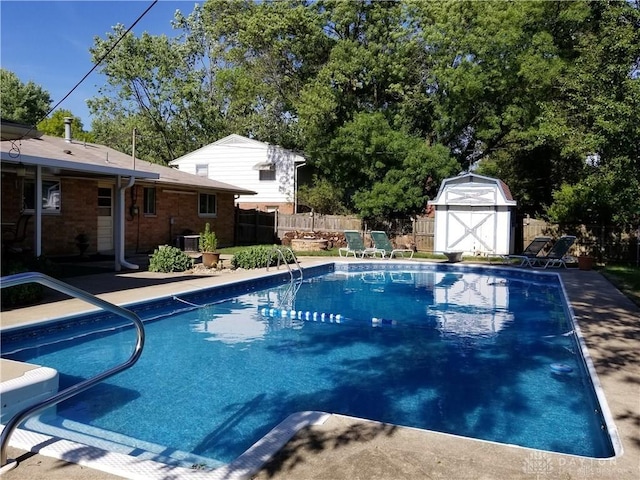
(259, 257)
(25, 294)
(167, 259)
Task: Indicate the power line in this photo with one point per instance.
(96, 65)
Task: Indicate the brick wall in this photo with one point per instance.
(143, 233)
(77, 214)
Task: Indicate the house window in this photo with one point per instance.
(149, 207)
(207, 204)
(51, 198)
(268, 174)
(202, 170)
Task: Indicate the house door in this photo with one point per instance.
(105, 219)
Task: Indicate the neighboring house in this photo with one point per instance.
(123, 205)
(269, 170)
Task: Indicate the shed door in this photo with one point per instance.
(105, 219)
(471, 229)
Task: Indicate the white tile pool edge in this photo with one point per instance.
(243, 467)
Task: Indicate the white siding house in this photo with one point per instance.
(269, 170)
(475, 215)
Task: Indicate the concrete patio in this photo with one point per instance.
(349, 449)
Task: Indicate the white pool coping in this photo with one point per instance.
(29, 385)
(243, 467)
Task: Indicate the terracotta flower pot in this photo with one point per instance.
(210, 259)
(585, 262)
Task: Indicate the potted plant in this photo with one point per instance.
(207, 245)
(585, 259)
(82, 242)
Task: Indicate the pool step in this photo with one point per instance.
(114, 442)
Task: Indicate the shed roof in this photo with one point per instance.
(472, 189)
(76, 158)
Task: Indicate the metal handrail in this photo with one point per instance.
(29, 277)
(281, 255)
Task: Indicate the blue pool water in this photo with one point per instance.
(459, 351)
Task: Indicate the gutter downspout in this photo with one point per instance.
(38, 208)
(119, 230)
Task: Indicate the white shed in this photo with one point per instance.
(475, 215)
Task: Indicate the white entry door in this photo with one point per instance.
(105, 219)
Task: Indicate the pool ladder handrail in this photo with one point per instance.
(18, 418)
(281, 256)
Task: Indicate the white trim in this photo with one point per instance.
(79, 166)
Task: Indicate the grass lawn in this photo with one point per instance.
(626, 278)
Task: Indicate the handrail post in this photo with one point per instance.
(280, 255)
(30, 277)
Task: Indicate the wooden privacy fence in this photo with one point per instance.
(418, 232)
(306, 222)
(254, 227)
(604, 242)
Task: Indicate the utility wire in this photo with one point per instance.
(95, 66)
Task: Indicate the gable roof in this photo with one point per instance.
(75, 158)
(472, 180)
(238, 141)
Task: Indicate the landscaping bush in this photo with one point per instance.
(259, 257)
(28, 293)
(167, 259)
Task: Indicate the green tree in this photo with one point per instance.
(387, 98)
(597, 120)
(22, 102)
(54, 125)
(322, 197)
(154, 83)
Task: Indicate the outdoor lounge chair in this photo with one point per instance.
(529, 253)
(382, 243)
(355, 246)
(557, 255)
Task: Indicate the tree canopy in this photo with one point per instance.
(22, 102)
(387, 98)
(54, 125)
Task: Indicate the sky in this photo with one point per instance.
(48, 42)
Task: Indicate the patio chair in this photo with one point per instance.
(355, 246)
(382, 243)
(12, 239)
(557, 256)
(530, 252)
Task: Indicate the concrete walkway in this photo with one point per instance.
(349, 449)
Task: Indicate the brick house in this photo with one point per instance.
(123, 205)
(269, 170)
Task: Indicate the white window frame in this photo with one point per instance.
(268, 174)
(49, 185)
(202, 170)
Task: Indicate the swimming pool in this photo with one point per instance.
(464, 351)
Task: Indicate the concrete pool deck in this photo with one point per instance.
(346, 448)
